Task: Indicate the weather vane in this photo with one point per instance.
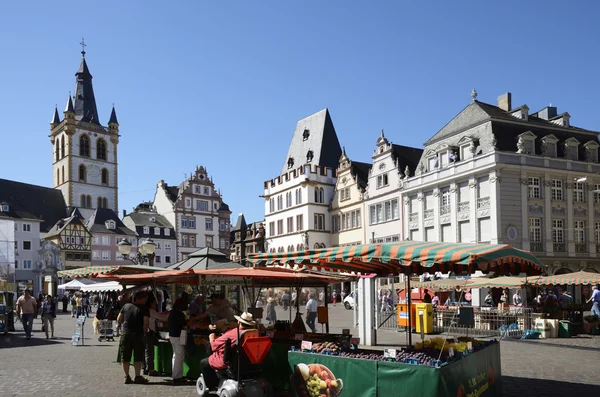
(83, 45)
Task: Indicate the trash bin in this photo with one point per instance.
(565, 329)
(403, 315)
(425, 309)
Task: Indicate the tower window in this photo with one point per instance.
(309, 156)
(104, 176)
(84, 146)
(305, 134)
(82, 173)
(63, 173)
(102, 202)
(101, 149)
(88, 200)
(62, 147)
(290, 162)
(58, 177)
(57, 149)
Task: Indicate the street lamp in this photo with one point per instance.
(305, 238)
(145, 251)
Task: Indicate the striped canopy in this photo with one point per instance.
(446, 284)
(94, 271)
(578, 278)
(410, 257)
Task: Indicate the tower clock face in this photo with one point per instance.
(93, 171)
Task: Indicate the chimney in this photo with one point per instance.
(548, 112)
(124, 213)
(505, 102)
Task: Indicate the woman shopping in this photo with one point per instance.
(48, 312)
(177, 324)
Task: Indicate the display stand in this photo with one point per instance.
(79, 333)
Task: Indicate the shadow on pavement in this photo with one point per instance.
(559, 345)
(513, 387)
(13, 340)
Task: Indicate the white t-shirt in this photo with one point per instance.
(311, 305)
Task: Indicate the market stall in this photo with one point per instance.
(478, 374)
(95, 271)
(75, 285)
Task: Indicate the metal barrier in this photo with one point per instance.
(387, 319)
(511, 322)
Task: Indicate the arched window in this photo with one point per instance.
(63, 174)
(89, 201)
(82, 173)
(58, 177)
(84, 146)
(104, 176)
(105, 202)
(316, 195)
(83, 201)
(317, 246)
(101, 149)
(57, 148)
(62, 147)
(321, 195)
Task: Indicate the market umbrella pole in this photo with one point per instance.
(408, 300)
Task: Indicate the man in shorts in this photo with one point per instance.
(134, 319)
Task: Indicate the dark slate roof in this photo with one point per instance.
(27, 201)
(55, 117)
(172, 192)
(223, 207)
(406, 156)
(113, 117)
(361, 171)
(205, 258)
(142, 218)
(96, 223)
(322, 140)
(69, 107)
(478, 113)
(241, 223)
(85, 101)
(63, 223)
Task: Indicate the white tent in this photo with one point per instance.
(102, 287)
(76, 284)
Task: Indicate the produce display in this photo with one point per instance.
(324, 347)
(315, 380)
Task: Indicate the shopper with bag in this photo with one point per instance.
(178, 338)
(134, 320)
(48, 313)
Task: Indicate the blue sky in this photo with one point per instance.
(222, 84)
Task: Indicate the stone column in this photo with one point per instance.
(525, 210)
(366, 312)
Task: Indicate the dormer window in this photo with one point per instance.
(591, 152)
(290, 162)
(4, 207)
(110, 225)
(146, 230)
(152, 219)
(305, 134)
(549, 145)
(526, 143)
(467, 148)
(167, 232)
(157, 231)
(309, 156)
(571, 147)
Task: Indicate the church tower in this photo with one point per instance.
(85, 152)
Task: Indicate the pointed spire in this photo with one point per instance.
(55, 118)
(382, 140)
(85, 101)
(382, 135)
(113, 116)
(69, 107)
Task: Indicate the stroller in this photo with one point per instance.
(105, 320)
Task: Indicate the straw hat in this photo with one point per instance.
(246, 318)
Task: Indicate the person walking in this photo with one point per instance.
(596, 299)
(73, 301)
(134, 319)
(334, 297)
(271, 315)
(311, 312)
(177, 323)
(151, 338)
(27, 309)
(48, 315)
(85, 305)
(65, 303)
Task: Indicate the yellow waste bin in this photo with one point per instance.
(426, 310)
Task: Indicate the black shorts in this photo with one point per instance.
(131, 343)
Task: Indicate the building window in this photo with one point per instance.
(596, 194)
(102, 202)
(184, 223)
(309, 156)
(222, 245)
(298, 196)
(579, 192)
(382, 180)
(27, 245)
(157, 231)
(158, 245)
(147, 228)
(209, 241)
(57, 149)
(167, 259)
(445, 207)
(384, 212)
(534, 191)
(290, 162)
(105, 255)
(104, 176)
(192, 240)
(335, 225)
(290, 224)
(208, 223)
(101, 149)
(579, 232)
(202, 205)
(206, 190)
(305, 134)
(84, 146)
(27, 264)
(280, 227)
(557, 231)
(167, 246)
(26, 227)
(557, 189)
(167, 232)
(185, 240)
(271, 228)
(319, 222)
(279, 202)
(105, 240)
(62, 147)
(345, 194)
(535, 230)
(319, 195)
(188, 203)
(96, 255)
(288, 199)
(157, 259)
(192, 222)
(82, 173)
(299, 222)
(197, 189)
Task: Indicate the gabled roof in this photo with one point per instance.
(320, 138)
(85, 101)
(27, 201)
(406, 156)
(97, 223)
(361, 172)
(241, 223)
(223, 207)
(61, 224)
(144, 218)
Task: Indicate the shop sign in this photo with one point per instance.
(389, 353)
(220, 280)
(306, 345)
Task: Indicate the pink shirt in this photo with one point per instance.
(216, 360)
(27, 305)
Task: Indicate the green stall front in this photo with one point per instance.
(477, 374)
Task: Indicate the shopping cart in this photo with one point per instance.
(106, 331)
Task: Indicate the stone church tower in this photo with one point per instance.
(85, 152)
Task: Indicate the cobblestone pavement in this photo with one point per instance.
(40, 367)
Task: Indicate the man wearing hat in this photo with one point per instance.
(216, 361)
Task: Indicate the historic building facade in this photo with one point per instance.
(246, 239)
(297, 201)
(504, 175)
(197, 210)
(85, 152)
(107, 231)
(149, 224)
(347, 226)
(74, 240)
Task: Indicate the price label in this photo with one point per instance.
(389, 353)
(306, 345)
(355, 341)
(451, 352)
(270, 334)
(298, 336)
